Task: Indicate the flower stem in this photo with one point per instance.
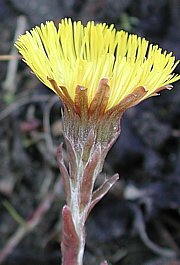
(72, 245)
(89, 134)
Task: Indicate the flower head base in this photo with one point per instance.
(74, 55)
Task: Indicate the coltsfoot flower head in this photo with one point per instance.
(74, 55)
(98, 73)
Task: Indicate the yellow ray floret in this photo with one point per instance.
(73, 54)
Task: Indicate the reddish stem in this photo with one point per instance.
(71, 246)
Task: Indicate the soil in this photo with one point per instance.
(138, 222)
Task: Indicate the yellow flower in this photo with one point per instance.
(81, 55)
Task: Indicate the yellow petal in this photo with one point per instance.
(76, 55)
